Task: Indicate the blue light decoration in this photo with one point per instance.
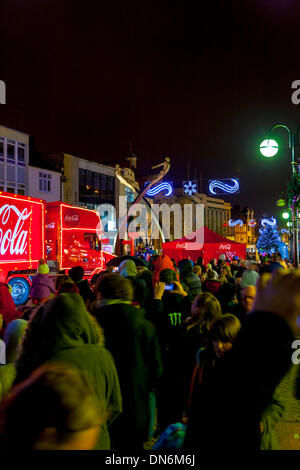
(271, 221)
(283, 250)
(160, 187)
(233, 223)
(190, 187)
(223, 187)
(284, 230)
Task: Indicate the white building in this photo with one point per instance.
(23, 171)
(14, 160)
(44, 183)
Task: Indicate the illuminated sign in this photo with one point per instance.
(233, 223)
(272, 221)
(220, 187)
(160, 187)
(190, 187)
(72, 218)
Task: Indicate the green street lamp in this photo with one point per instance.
(285, 215)
(269, 148)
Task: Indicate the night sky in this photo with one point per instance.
(199, 82)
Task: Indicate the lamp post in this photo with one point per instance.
(269, 148)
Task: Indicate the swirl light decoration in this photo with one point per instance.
(160, 187)
(284, 230)
(252, 223)
(233, 223)
(225, 188)
(272, 221)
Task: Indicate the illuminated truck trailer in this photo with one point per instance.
(31, 229)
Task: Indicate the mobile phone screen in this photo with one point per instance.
(169, 287)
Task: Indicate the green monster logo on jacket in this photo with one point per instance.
(174, 317)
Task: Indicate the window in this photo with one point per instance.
(95, 188)
(129, 193)
(12, 166)
(45, 182)
(11, 173)
(92, 241)
(1, 149)
(10, 151)
(21, 154)
(21, 189)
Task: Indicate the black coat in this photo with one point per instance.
(133, 343)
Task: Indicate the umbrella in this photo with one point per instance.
(117, 261)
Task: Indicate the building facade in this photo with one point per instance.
(44, 183)
(14, 160)
(246, 233)
(23, 171)
(91, 184)
(217, 212)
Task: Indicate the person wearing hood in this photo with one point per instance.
(8, 309)
(133, 343)
(62, 331)
(128, 269)
(211, 283)
(12, 339)
(189, 279)
(162, 262)
(42, 285)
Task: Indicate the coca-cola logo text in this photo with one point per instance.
(225, 246)
(72, 218)
(180, 245)
(13, 239)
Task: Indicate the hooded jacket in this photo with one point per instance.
(162, 262)
(42, 286)
(190, 279)
(12, 337)
(212, 286)
(133, 343)
(128, 269)
(62, 331)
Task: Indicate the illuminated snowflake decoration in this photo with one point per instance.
(189, 187)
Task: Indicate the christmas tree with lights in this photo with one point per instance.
(269, 239)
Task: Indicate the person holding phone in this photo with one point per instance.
(169, 310)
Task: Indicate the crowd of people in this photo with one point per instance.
(198, 349)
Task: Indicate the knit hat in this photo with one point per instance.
(43, 267)
(168, 276)
(222, 257)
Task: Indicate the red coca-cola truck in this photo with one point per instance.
(31, 229)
